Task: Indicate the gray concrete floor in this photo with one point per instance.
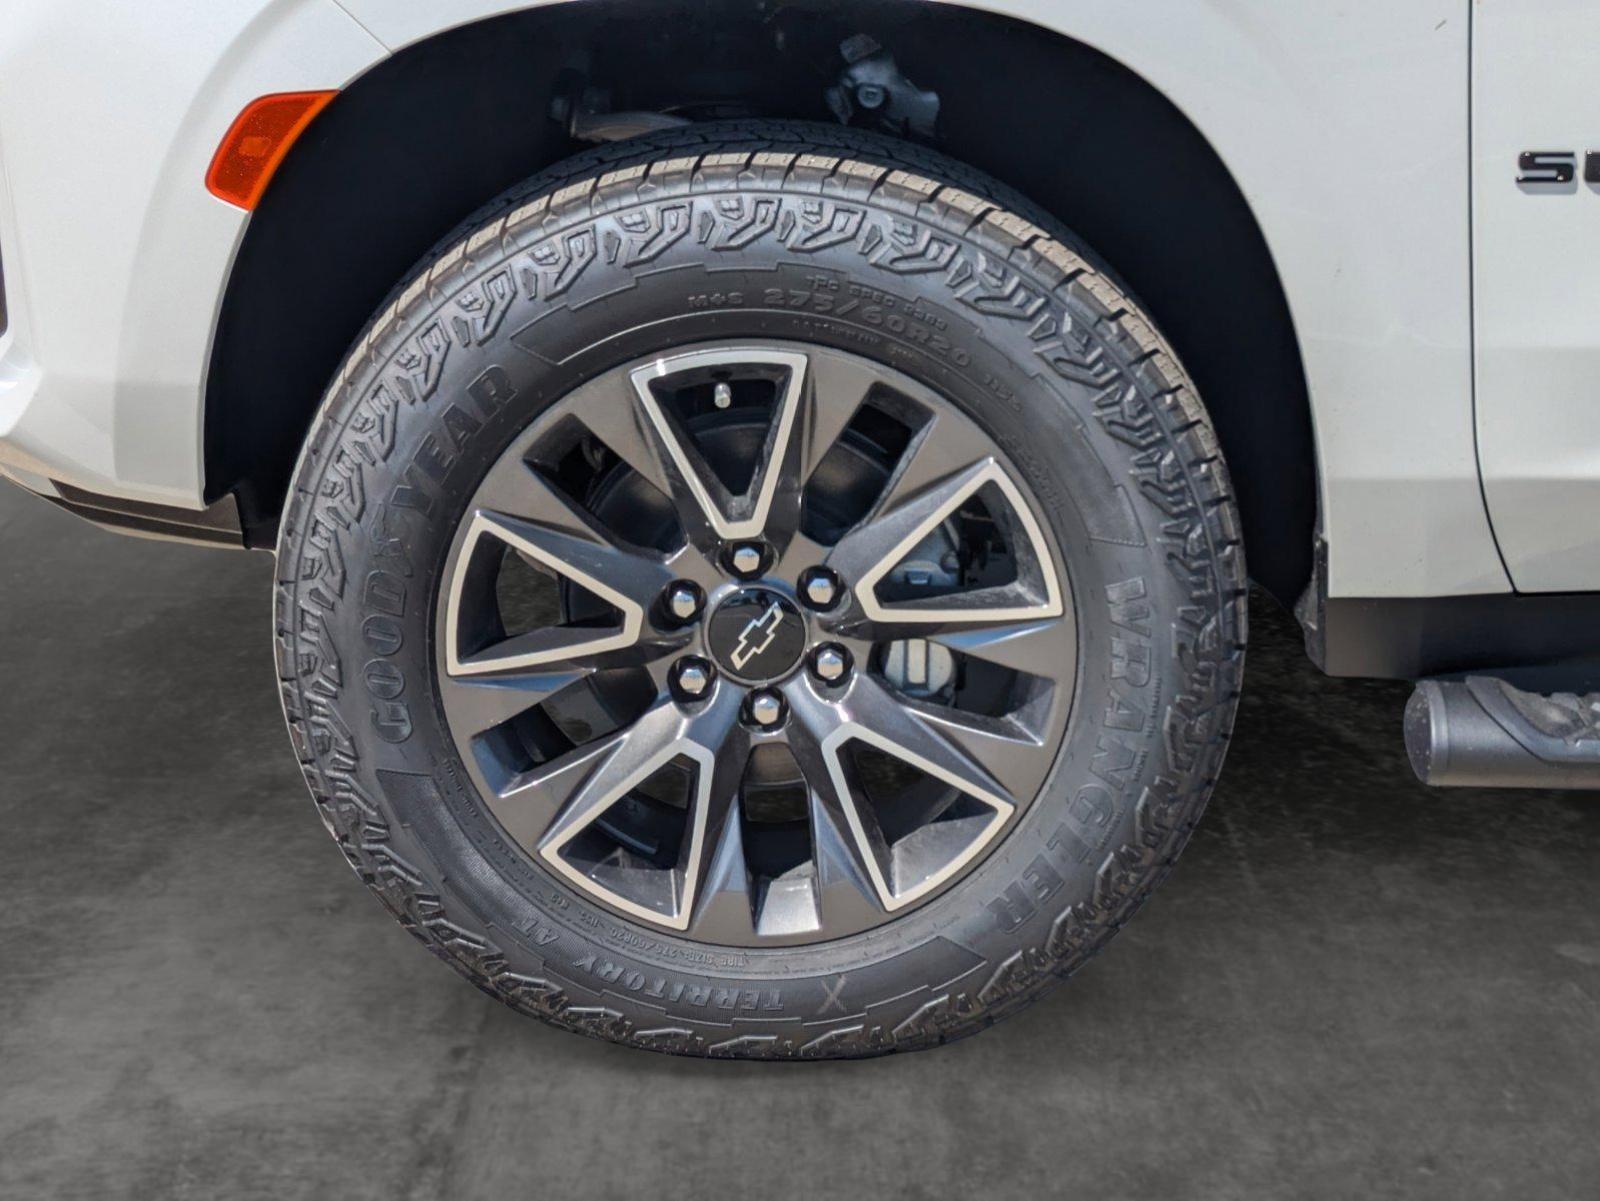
(1352, 986)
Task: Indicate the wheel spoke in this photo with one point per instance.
(514, 489)
(610, 572)
(877, 545)
(942, 448)
(631, 755)
(849, 863)
(704, 502)
(716, 879)
(974, 623)
(610, 411)
(836, 388)
(848, 856)
(905, 730)
(880, 541)
(999, 748)
(522, 509)
(548, 807)
(479, 703)
(1046, 648)
(849, 845)
(1035, 647)
(627, 580)
(531, 801)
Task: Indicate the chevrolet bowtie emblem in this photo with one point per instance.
(756, 636)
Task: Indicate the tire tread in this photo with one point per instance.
(1185, 462)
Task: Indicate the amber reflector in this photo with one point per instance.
(256, 143)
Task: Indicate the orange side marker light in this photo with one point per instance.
(257, 142)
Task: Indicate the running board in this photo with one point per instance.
(1483, 733)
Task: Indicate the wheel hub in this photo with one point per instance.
(757, 635)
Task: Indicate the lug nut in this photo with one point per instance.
(830, 663)
(692, 677)
(766, 708)
(683, 600)
(745, 559)
(820, 587)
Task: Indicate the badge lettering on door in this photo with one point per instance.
(1556, 167)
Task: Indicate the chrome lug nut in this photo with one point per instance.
(745, 559)
(692, 677)
(831, 663)
(820, 587)
(766, 709)
(683, 600)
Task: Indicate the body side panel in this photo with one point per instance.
(1537, 294)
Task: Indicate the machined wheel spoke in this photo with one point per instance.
(983, 626)
(944, 447)
(609, 408)
(611, 572)
(549, 806)
(530, 802)
(905, 730)
(716, 879)
(635, 752)
(881, 540)
(1045, 648)
(628, 580)
(579, 649)
(835, 392)
(1042, 648)
(832, 392)
(516, 489)
(525, 511)
(481, 703)
(877, 545)
(849, 844)
(849, 857)
(706, 506)
(849, 861)
(1002, 748)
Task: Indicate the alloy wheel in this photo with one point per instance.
(758, 644)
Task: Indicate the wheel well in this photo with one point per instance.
(419, 142)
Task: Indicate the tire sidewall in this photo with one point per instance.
(1033, 354)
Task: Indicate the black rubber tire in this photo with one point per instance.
(729, 231)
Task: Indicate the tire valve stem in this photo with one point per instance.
(722, 395)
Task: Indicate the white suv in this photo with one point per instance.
(762, 492)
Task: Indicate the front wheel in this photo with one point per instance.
(756, 593)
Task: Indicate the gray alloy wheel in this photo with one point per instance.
(707, 637)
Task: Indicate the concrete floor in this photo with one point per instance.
(1352, 986)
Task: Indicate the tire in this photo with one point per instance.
(763, 234)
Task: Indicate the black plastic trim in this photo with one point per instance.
(1538, 641)
(1541, 641)
(217, 525)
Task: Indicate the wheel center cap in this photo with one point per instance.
(756, 635)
